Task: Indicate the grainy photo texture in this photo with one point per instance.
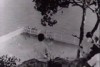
(49, 33)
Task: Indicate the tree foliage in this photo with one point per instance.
(48, 8)
(6, 61)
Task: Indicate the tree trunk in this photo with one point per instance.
(82, 28)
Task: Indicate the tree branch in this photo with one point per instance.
(76, 3)
(96, 25)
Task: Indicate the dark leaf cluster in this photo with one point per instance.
(48, 8)
(6, 61)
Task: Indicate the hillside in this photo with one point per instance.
(29, 47)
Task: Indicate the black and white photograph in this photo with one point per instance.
(49, 33)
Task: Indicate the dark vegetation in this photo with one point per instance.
(6, 61)
(56, 62)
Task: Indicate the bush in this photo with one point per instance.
(7, 61)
